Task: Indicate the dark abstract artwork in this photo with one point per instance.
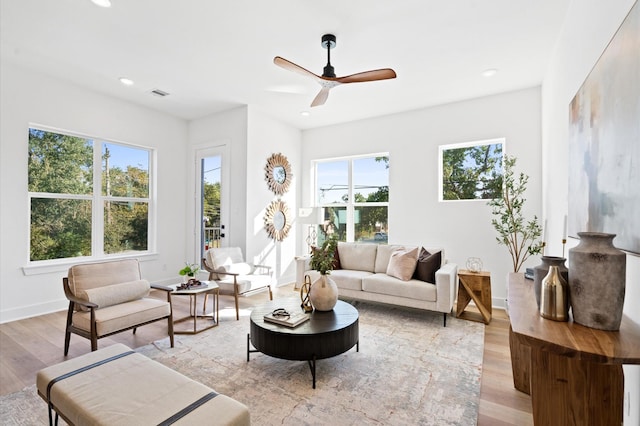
(604, 142)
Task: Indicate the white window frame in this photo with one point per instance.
(97, 200)
(443, 148)
(350, 205)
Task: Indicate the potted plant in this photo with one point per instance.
(323, 258)
(189, 271)
(520, 236)
(324, 292)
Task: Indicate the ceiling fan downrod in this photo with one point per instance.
(329, 42)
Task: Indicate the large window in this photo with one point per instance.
(354, 194)
(471, 170)
(88, 197)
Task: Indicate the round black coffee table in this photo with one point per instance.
(325, 335)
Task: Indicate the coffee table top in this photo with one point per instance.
(342, 315)
(324, 335)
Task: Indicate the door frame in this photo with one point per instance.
(200, 152)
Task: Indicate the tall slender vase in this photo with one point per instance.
(541, 271)
(323, 294)
(597, 281)
(554, 296)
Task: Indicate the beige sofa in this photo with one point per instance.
(361, 274)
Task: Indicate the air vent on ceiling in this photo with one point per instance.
(158, 92)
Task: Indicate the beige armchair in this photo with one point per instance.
(109, 297)
(234, 276)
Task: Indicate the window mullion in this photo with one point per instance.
(97, 210)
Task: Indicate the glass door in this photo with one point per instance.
(212, 199)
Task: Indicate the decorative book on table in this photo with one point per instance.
(292, 320)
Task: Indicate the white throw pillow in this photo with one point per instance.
(402, 264)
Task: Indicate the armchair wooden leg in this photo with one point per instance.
(204, 305)
(235, 296)
(270, 293)
(67, 332)
(94, 331)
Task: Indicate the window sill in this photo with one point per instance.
(48, 267)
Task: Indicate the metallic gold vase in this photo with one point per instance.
(554, 296)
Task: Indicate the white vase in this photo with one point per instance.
(323, 294)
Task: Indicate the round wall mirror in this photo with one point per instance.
(276, 220)
(278, 173)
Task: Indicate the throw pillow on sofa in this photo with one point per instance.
(402, 264)
(427, 265)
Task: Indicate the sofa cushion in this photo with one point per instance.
(402, 263)
(412, 289)
(118, 317)
(357, 256)
(92, 275)
(428, 264)
(348, 279)
(383, 255)
(115, 294)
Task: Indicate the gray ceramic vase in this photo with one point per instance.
(597, 281)
(540, 271)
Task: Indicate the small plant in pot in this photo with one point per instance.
(324, 292)
(189, 272)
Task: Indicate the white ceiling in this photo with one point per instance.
(214, 55)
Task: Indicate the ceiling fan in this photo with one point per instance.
(328, 79)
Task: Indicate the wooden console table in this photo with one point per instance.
(572, 372)
(474, 286)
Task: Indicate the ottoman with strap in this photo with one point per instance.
(117, 386)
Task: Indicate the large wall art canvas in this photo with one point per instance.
(604, 142)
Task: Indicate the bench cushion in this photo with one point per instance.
(130, 390)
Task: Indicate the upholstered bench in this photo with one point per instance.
(117, 386)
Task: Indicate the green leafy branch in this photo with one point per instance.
(520, 236)
(322, 259)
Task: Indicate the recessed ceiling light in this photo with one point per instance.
(305, 113)
(102, 3)
(489, 72)
(126, 81)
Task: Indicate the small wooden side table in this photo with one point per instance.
(474, 286)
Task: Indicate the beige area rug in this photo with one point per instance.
(410, 371)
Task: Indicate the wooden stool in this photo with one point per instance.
(474, 286)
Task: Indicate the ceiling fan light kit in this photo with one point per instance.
(328, 79)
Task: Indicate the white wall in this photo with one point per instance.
(268, 136)
(588, 29)
(252, 137)
(30, 97)
(416, 217)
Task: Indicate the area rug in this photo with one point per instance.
(410, 370)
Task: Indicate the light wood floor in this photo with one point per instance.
(29, 345)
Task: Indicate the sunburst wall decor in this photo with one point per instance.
(277, 173)
(277, 221)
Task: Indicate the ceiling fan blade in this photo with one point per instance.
(383, 74)
(290, 66)
(321, 97)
